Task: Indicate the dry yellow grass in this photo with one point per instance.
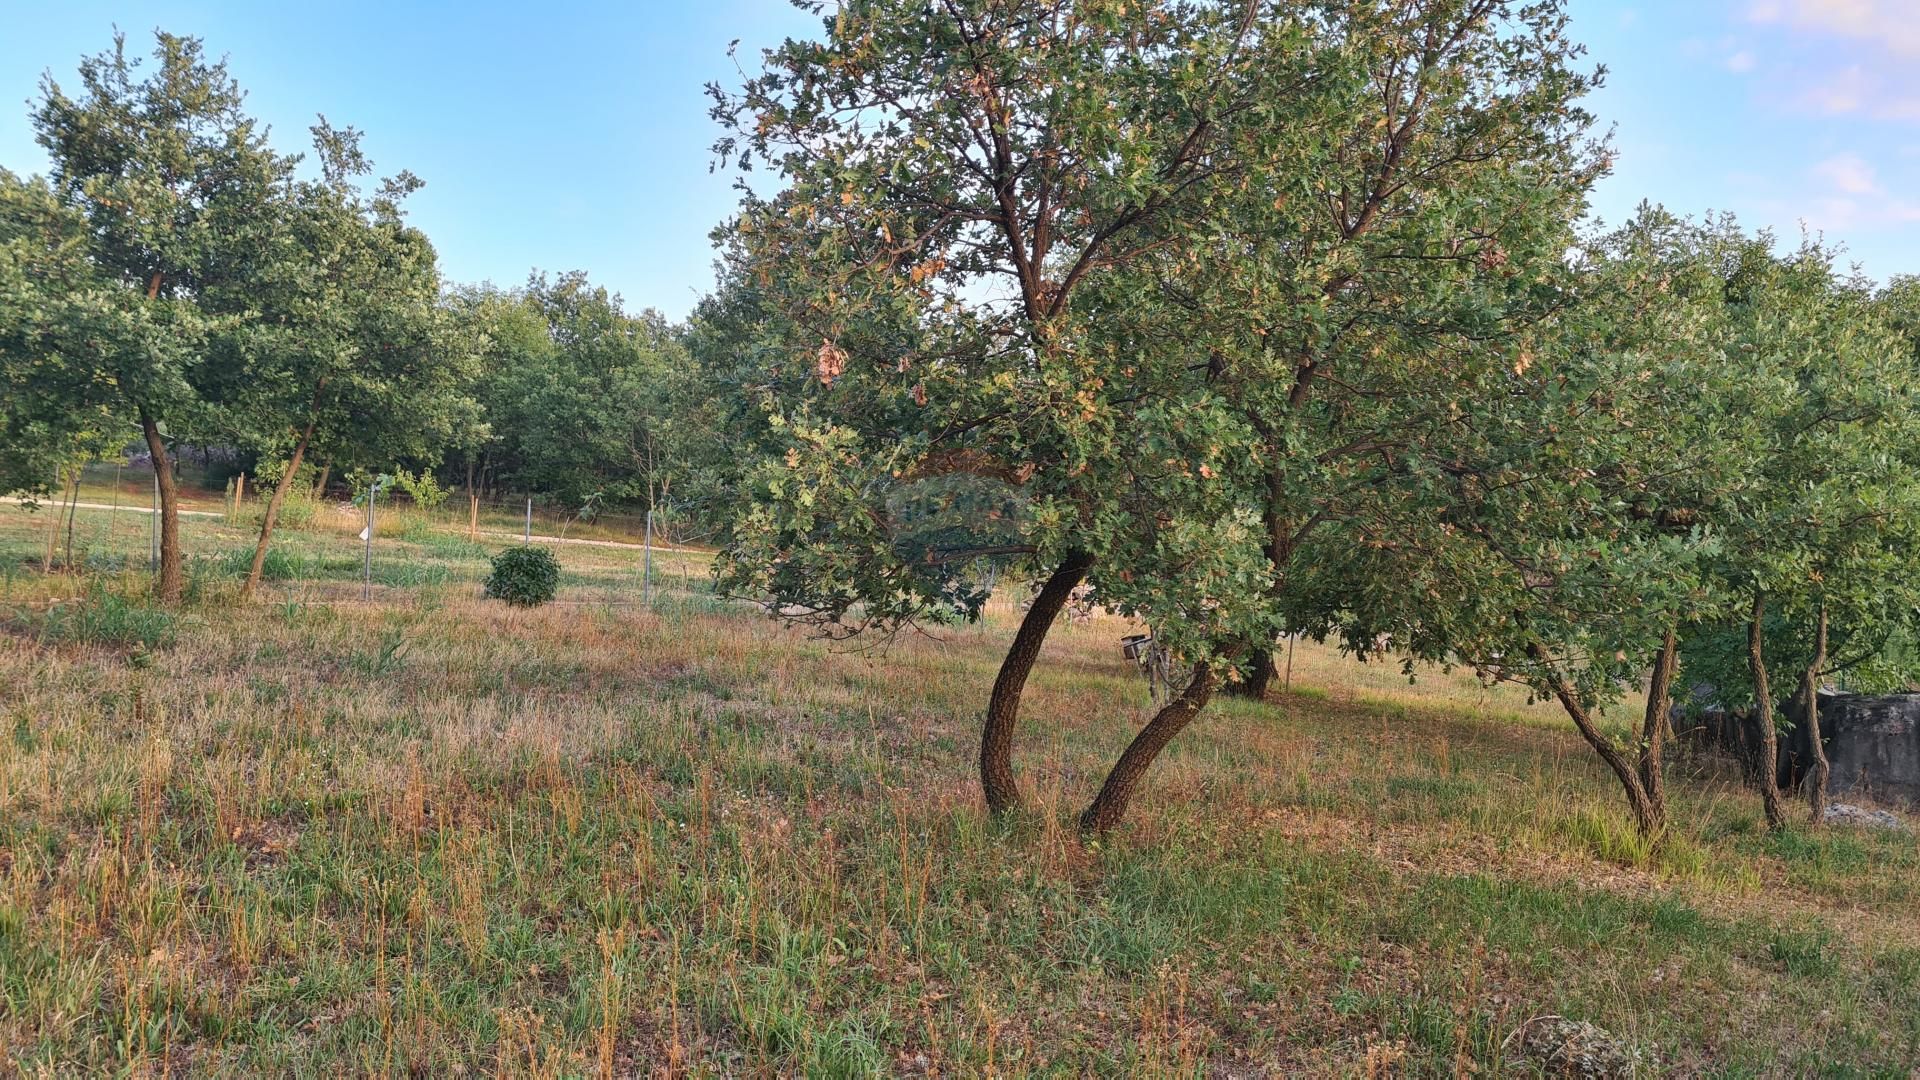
(432, 834)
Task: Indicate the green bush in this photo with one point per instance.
(524, 576)
(297, 510)
(423, 489)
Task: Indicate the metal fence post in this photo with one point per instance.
(366, 587)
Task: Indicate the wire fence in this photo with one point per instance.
(323, 550)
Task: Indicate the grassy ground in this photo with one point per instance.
(315, 836)
(107, 485)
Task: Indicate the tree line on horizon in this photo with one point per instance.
(1258, 317)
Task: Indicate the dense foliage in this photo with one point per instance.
(580, 396)
(524, 577)
(1261, 318)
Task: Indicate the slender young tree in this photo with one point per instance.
(346, 344)
(175, 183)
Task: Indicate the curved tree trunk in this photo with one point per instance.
(1110, 805)
(171, 581)
(1810, 686)
(1654, 730)
(273, 511)
(1645, 816)
(1768, 767)
(1003, 708)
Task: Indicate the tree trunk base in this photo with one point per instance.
(1110, 806)
(997, 781)
(1260, 680)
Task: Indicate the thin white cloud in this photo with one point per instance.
(1844, 91)
(1845, 57)
(1741, 62)
(1893, 24)
(1848, 194)
(1849, 174)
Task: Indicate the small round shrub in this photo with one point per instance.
(524, 576)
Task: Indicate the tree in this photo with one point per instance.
(581, 397)
(52, 307)
(1704, 436)
(172, 180)
(1023, 244)
(1437, 213)
(955, 180)
(1821, 544)
(346, 344)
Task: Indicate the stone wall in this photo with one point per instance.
(1872, 743)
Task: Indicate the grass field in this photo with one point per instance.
(106, 485)
(314, 836)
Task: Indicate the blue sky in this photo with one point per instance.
(574, 135)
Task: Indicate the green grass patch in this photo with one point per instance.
(105, 617)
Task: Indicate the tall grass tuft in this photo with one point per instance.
(280, 564)
(108, 618)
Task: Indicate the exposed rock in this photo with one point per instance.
(1872, 743)
(1848, 814)
(1562, 1047)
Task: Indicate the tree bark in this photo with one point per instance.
(1644, 815)
(1003, 707)
(1769, 764)
(1810, 686)
(1110, 805)
(171, 580)
(272, 514)
(320, 485)
(1654, 730)
(1260, 677)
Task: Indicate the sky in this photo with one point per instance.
(574, 135)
